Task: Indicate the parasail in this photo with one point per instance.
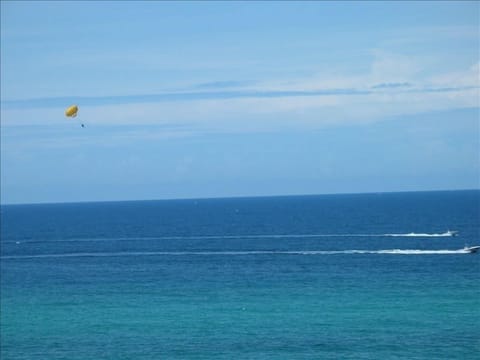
(71, 111)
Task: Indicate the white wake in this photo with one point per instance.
(239, 253)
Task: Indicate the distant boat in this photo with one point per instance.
(471, 249)
(451, 233)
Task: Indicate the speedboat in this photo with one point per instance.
(471, 249)
(451, 233)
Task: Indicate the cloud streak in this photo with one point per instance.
(237, 106)
(391, 85)
(401, 88)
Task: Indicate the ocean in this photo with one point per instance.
(361, 276)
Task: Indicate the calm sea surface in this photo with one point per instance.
(371, 276)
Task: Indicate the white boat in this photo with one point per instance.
(451, 233)
(471, 249)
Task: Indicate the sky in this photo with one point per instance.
(225, 99)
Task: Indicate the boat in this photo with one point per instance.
(451, 233)
(472, 249)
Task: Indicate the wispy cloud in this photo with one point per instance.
(391, 85)
(222, 84)
(235, 105)
(52, 102)
(175, 96)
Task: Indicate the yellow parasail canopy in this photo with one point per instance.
(71, 111)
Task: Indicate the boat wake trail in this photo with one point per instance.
(238, 253)
(445, 234)
(229, 237)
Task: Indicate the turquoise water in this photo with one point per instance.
(316, 277)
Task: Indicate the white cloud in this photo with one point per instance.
(469, 77)
(393, 67)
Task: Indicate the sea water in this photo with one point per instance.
(371, 276)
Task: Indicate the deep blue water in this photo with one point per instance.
(307, 277)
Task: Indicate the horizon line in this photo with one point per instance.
(234, 197)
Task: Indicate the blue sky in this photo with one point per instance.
(214, 99)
